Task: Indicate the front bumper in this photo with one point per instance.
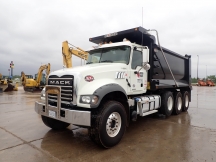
(82, 118)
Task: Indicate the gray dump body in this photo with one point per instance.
(159, 75)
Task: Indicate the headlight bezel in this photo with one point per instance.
(89, 99)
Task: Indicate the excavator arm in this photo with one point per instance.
(67, 53)
(40, 71)
(47, 70)
(23, 78)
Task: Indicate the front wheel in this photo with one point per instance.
(110, 125)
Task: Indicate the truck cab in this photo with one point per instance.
(127, 60)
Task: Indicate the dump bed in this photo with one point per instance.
(159, 75)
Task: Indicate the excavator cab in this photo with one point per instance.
(43, 79)
(29, 76)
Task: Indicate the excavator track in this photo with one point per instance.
(35, 89)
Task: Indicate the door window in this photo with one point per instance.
(137, 59)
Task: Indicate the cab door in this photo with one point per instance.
(138, 76)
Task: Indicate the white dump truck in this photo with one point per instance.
(127, 74)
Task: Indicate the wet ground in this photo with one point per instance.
(190, 136)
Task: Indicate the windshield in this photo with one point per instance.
(29, 76)
(119, 54)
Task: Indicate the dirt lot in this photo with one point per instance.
(190, 136)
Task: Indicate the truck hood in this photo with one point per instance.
(90, 69)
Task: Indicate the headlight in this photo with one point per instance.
(89, 99)
(86, 99)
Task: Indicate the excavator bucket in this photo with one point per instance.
(9, 87)
(4, 86)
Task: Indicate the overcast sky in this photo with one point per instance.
(32, 31)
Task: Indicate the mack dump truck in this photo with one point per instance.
(127, 75)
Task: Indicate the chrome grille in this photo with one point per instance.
(66, 89)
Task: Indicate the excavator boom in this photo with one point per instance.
(67, 53)
(23, 78)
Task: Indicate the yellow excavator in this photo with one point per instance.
(6, 84)
(67, 53)
(32, 85)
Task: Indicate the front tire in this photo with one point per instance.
(54, 124)
(110, 125)
(167, 103)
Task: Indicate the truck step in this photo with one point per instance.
(149, 112)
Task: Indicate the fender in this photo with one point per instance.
(103, 90)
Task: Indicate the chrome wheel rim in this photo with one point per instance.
(170, 103)
(179, 104)
(186, 101)
(113, 124)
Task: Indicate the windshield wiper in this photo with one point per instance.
(106, 61)
(89, 62)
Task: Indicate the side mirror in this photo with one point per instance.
(146, 66)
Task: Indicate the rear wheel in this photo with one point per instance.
(177, 103)
(185, 100)
(167, 102)
(110, 125)
(54, 124)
